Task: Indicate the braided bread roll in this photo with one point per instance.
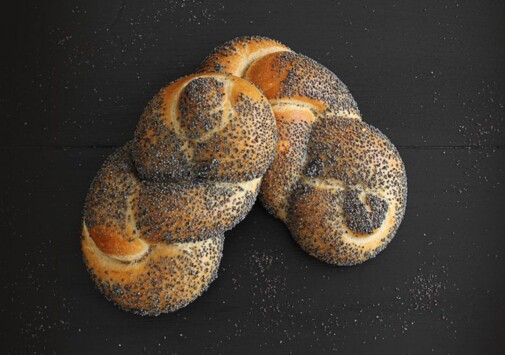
(337, 182)
(156, 212)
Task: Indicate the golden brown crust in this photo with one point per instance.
(165, 279)
(153, 247)
(338, 183)
(297, 78)
(278, 183)
(156, 212)
(108, 210)
(119, 206)
(234, 57)
(229, 136)
(192, 211)
(351, 196)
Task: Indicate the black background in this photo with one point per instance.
(430, 74)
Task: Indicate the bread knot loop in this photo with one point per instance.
(364, 212)
(202, 105)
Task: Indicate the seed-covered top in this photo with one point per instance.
(206, 127)
(338, 183)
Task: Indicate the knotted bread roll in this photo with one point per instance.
(156, 212)
(337, 182)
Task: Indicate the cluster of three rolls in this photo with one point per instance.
(155, 214)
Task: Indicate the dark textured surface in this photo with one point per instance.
(76, 77)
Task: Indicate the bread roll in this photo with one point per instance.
(156, 213)
(338, 183)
